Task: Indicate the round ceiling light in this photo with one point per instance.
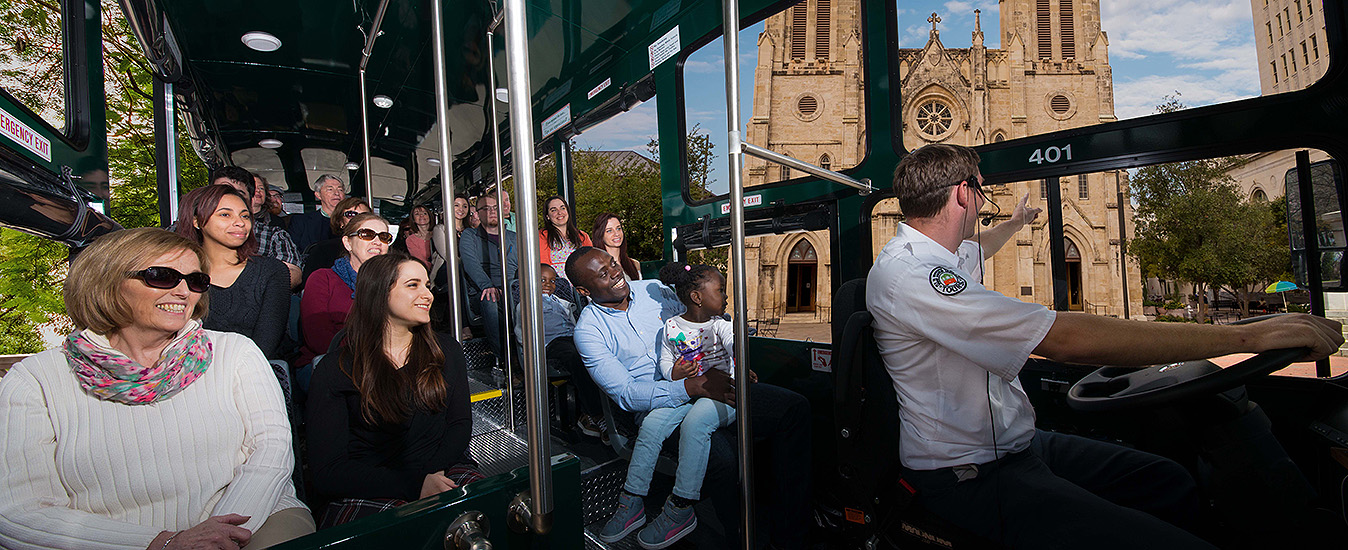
(352, 166)
(270, 143)
(261, 41)
(503, 95)
(433, 161)
(383, 101)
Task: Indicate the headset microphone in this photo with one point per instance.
(987, 218)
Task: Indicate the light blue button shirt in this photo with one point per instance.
(619, 348)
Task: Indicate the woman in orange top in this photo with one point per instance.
(559, 236)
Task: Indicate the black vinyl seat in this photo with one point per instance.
(875, 500)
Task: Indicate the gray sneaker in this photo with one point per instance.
(630, 515)
(672, 524)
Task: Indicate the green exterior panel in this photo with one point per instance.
(422, 524)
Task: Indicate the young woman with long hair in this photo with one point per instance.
(559, 236)
(389, 418)
(608, 236)
(250, 293)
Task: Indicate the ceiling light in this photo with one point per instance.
(503, 95)
(383, 101)
(270, 143)
(398, 197)
(433, 161)
(261, 41)
(352, 166)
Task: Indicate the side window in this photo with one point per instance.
(803, 86)
(789, 283)
(33, 66)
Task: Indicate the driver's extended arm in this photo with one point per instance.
(1091, 339)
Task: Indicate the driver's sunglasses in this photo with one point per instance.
(165, 278)
(370, 235)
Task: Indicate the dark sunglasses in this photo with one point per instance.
(166, 278)
(368, 234)
(351, 214)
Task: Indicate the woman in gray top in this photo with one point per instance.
(250, 294)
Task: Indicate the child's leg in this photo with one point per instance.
(655, 428)
(704, 418)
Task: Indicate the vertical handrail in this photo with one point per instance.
(365, 54)
(500, 210)
(446, 167)
(166, 147)
(522, 143)
(730, 21)
(365, 140)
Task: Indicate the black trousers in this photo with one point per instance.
(563, 356)
(781, 426)
(1069, 492)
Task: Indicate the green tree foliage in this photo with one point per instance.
(33, 269)
(605, 182)
(30, 291)
(1192, 226)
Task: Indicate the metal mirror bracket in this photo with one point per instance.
(469, 532)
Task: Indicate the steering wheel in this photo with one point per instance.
(1117, 388)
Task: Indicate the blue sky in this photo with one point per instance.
(1202, 49)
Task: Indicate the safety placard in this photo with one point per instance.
(16, 130)
(821, 359)
(558, 119)
(751, 200)
(601, 87)
(664, 48)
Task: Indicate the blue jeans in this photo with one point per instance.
(696, 422)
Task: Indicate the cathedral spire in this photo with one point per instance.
(934, 19)
(978, 29)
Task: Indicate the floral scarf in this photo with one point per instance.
(110, 375)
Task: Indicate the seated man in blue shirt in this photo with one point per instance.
(617, 337)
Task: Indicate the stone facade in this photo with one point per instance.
(1053, 74)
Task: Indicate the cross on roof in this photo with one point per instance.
(934, 19)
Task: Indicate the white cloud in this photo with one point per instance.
(628, 131)
(1204, 49)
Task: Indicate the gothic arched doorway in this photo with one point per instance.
(1074, 301)
(802, 266)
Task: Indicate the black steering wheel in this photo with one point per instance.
(1117, 388)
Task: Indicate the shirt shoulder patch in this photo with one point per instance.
(946, 282)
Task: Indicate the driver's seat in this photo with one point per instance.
(876, 502)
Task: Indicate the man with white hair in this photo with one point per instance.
(311, 227)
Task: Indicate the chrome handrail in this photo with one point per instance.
(863, 185)
(730, 21)
(522, 143)
(446, 168)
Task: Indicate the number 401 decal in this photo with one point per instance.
(1051, 154)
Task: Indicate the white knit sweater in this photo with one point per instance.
(80, 472)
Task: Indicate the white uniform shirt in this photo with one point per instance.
(940, 332)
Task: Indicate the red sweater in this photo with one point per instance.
(323, 308)
(547, 252)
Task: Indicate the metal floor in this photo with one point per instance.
(499, 447)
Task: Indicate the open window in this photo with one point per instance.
(975, 77)
(803, 95)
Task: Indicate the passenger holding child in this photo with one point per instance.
(690, 344)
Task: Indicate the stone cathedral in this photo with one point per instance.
(1052, 73)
